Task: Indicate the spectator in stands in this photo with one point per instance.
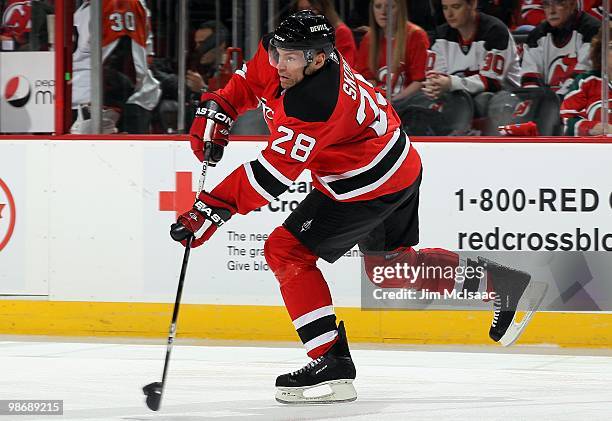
(473, 52)
(203, 63)
(473, 57)
(558, 48)
(410, 43)
(582, 107)
(210, 42)
(345, 42)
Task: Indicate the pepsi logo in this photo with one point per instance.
(7, 214)
(17, 91)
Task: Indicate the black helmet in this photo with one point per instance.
(305, 30)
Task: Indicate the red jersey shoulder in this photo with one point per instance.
(343, 103)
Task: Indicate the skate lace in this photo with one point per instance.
(308, 366)
(497, 310)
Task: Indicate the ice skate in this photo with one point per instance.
(333, 371)
(514, 290)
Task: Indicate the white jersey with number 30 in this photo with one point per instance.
(486, 63)
(120, 19)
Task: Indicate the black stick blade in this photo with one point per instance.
(153, 392)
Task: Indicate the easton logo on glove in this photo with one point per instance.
(209, 212)
(216, 115)
(211, 127)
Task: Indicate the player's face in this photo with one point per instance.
(380, 9)
(558, 12)
(458, 12)
(290, 65)
(306, 5)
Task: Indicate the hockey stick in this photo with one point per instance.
(153, 391)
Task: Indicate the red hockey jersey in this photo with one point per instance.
(412, 67)
(582, 106)
(333, 123)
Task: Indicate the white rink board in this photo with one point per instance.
(89, 225)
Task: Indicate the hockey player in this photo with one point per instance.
(127, 20)
(558, 49)
(366, 174)
(582, 106)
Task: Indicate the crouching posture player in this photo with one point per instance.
(326, 118)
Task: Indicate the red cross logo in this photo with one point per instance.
(6, 225)
(181, 200)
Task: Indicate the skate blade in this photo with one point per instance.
(532, 299)
(341, 391)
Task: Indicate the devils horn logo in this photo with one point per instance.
(17, 16)
(522, 108)
(561, 69)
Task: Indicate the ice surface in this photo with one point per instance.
(101, 381)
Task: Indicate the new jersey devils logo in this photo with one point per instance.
(7, 214)
(561, 69)
(17, 17)
(522, 108)
(396, 84)
(594, 111)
